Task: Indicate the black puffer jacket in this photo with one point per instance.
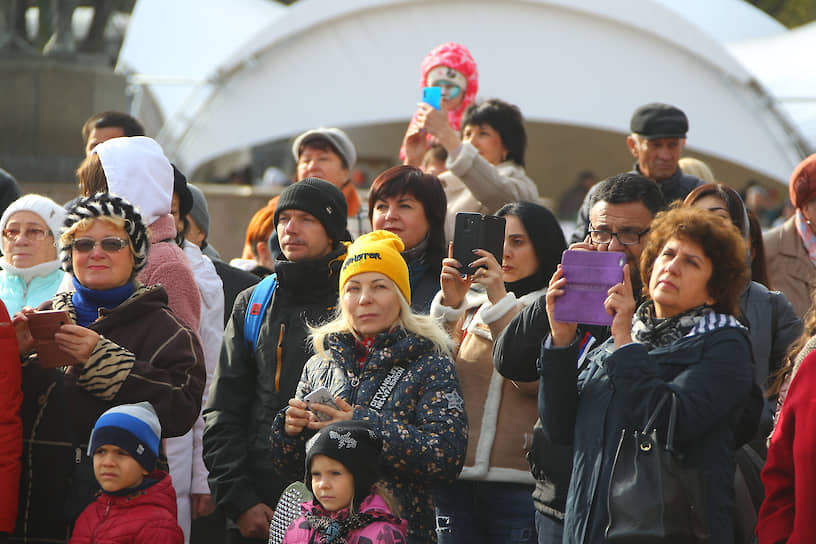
(249, 388)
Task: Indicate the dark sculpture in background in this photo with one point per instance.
(55, 36)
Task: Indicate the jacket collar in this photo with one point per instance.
(310, 276)
(397, 346)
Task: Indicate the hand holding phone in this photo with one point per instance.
(43, 326)
(472, 231)
(432, 96)
(589, 275)
(321, 395)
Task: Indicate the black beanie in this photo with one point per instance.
(356, 446)
(320, 199)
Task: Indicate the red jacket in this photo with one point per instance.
(789, 475)
(11, 429)
(146, 517)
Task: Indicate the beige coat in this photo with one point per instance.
(501, 413)
(790, 269)
(472, 184)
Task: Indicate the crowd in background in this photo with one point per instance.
(152, 391)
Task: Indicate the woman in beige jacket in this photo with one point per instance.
(491, 502)
(790, 249)
(486, 166)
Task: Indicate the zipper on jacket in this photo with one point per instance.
(101, 521)
(281, 337)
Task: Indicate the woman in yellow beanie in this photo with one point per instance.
(390, 367)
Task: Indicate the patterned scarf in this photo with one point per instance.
(806, 235)
(334, 529)
(655, 332)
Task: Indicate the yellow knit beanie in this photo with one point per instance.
(377, 251)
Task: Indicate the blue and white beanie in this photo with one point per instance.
(133, 427)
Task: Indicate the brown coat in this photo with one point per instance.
(501, 413)
(790, 269)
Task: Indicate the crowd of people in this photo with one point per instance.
(149, 387)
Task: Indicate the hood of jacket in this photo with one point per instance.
(138, 171)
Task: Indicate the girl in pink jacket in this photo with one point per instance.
(342, 466)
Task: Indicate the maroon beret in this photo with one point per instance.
(802, 186)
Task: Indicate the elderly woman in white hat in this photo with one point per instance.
(31, 270)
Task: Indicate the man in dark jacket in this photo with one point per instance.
(254, 380)
(657, 139)
(621, 211)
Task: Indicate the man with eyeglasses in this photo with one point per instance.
(621, 210)
(656, 141)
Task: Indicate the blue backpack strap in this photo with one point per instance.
(258, 302)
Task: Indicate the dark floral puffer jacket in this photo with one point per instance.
(422, 422)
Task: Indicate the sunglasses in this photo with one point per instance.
(108, 245)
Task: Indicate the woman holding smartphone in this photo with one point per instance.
(491, 501)
(684, 339)
(485, 165)
(128, 347)
(387, 366)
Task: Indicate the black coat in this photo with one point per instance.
(250, 387)
(709, 369)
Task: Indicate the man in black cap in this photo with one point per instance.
(258, 372)
(657, 139)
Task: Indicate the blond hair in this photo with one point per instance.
(418, 324)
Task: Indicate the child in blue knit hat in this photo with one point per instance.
(137, 503)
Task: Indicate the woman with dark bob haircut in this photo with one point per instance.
(411, 204)
(685, 340)
(485, 166)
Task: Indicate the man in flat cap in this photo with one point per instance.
(657, 139)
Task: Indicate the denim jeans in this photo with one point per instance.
(550, 530)
(470, 512)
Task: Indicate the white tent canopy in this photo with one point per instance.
(583, 63)
(783, 63)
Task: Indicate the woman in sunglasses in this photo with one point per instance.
(31, 271)
(125, 345)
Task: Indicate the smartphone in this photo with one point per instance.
(322, 396)
(43, 325)
(432, 96)
(589, 276)
(474, 231)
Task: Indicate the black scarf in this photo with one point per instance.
(655, 332)
(526, 285)
(335, 529)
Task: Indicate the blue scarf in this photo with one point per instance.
(87, 302)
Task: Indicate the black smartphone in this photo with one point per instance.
(474, 231)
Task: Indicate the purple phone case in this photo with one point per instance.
(589, 276)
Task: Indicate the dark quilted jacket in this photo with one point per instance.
(422, 422)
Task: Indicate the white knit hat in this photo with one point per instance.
(138, 171)
(52, 213)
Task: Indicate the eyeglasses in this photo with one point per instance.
(35, 235)
(625, 237)
(108, 245)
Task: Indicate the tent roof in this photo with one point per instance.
(585, 63)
